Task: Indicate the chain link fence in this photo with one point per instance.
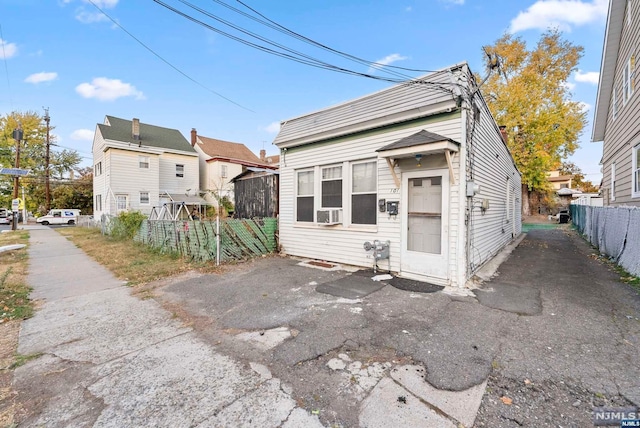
(615, 231)
(199, 240)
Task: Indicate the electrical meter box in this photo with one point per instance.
(392, 207)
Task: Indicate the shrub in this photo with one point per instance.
(127, 224)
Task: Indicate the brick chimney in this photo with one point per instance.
(135, 128)
(503, 132)
(194, 137)
(263, 154)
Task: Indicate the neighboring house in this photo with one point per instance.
(559, 181)
(256, 193)
(139, 166)
(617, 113)
(271, 160)
(421, 165)
(220, 161)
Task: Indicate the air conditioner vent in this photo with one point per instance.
(329, 216)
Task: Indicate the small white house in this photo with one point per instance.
(421, 166)
(137, 166)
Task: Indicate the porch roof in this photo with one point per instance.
(423, 142)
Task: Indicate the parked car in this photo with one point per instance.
(60, 216)
(5, 216)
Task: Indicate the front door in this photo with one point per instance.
(425, 224)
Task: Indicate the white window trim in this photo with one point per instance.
(144, 160)
(183, 170)
(627, 82)
(614, 102)
(351, 192)
(342, 178)
(508, 200)
(635, 179)
(296, 195)
(629, 12)
(148, 198)
(612, 190)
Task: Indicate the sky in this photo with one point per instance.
(85, 59)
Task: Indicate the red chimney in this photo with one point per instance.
(503, 132)
(263, 154)
(194, 136)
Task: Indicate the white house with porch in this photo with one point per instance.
(138, 166)
(421, 166)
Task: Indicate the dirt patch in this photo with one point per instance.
(520, 402)
(9, 332)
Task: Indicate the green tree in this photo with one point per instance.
(32, 157)
(530, 97)
(77, 193)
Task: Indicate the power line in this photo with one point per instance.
(167, 62)
(6, 67)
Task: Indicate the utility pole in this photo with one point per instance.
(17, 135)
(47, 190)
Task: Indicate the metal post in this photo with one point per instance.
(17, 135)
(218, 240)
(24, 207)
(47, 189)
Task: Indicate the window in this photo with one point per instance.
(97, 169)
(614, 103)
(144, 198)
(613, 181)
(636, 171)
(304, 196)
(628, 12)
(57, 213)
(627, 80)
(223, 171)
(143, 162)
(121, 202)
(98, 203)
(564, 186)
(363, 193)
(179, 170)
(332, 187)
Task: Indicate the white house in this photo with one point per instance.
(421, 165)
(221, 161)
(139, 166)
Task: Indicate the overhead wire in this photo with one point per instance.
(165, 61)
(6, 66)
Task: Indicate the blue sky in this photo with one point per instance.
(67, 56)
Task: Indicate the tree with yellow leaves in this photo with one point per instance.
(529, 95)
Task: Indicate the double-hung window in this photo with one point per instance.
(614, 103)
(98, 203)
(144, 198)
(627, 80)
(223, 171)
(98, 169)
(364, 192)
(304, 195)
(635, 171)
(332, 187)
(613, 182)
(143, 162)
(179, 170)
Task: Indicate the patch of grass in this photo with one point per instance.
(21, 360)
(14, 291)
(128, 260)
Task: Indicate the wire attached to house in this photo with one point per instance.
(167, 62)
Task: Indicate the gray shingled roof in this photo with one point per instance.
(417, 139)
(151, 135)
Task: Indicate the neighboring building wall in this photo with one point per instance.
(99, 180)
(256, 196)
(170, 182)
(219, 184)
(622, 133)
(344, 243)
(492, 167)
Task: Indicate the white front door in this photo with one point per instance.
(425, 224)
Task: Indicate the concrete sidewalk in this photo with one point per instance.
(108, 359)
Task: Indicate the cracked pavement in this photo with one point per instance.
(555, 330)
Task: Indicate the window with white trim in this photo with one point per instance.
(98, 203)
(627, 80)
(508, 200)
(614, 103)
(304, 195)
(223, 171)
(331, 187)
(364, 194)
(97, 169)
(179, 170)
(635, 171)
(629, 12)
(143, 162)
(613, 181)
(144, 198)
(122, 202)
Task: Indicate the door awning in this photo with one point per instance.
(421, 143)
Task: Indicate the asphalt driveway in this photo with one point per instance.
(554, 335)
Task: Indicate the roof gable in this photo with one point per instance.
(116, 129)
(226, 149)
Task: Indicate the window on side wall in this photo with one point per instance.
(364, 192)
(144, 198)
(98, 169)
(179, 170)
(636, 171)
(627, 80)
(98, 206)
(332, 187)
(613, 181)
(304, 195)
(223, 171)
(614, 103)
(143, 162)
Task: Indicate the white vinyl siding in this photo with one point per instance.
(169, 182)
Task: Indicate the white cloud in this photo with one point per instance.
(569, 85)
(585, 106)
(7, 50)
(107, 4)
(41, 77)
(408, 9)
(105, 89)
(82, 135)
(588, 77)
(561, 14)
(389, 59)
(90, 17)
(272, 128)
(460, 2)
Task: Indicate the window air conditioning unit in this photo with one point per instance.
(329, 216)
